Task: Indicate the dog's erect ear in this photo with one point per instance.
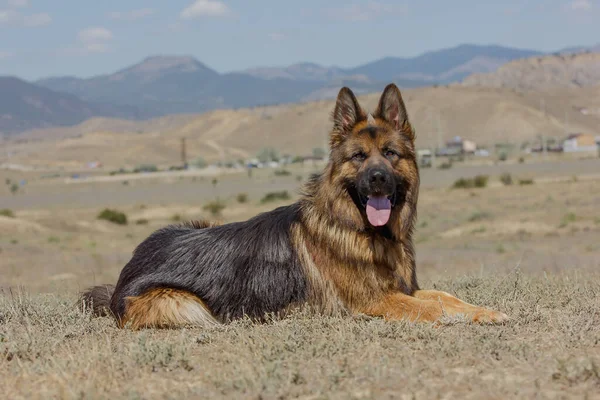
(346, 114)
(391, 109)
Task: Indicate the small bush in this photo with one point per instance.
(146, 168)
(479, 216)
(275, 196)
(141, 221)
(506, 179)
(14, 188)
(282, 172)
(525, 181)
(214, 182)
(53, 239)
(5, 212)
(480, 181)
(242, 198)
(214, 207)
(502, 156)
(114, 216)
(299, 178)
(521, 160)
(176, 218)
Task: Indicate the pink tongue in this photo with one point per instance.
(378, 210)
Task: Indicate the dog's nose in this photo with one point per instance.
(377, 177)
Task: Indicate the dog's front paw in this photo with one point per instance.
(485, 316)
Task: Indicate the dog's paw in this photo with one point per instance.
(485, 316)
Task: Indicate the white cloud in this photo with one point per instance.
(15, 18)
(366, 12)
(94, 34)
(36, 20)
(8, 16)
(276, 37)
(205, 8)
(18, 3)
(131, 15)
(580, 5)
(94, 39)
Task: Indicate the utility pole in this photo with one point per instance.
(543, 110)
(183, 154)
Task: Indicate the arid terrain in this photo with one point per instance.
(529, 249)
(487, 116)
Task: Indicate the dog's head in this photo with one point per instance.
(373, 155)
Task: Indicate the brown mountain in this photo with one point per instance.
(559, 70)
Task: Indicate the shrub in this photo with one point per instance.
(525, 181)
(502, 156)
(214, 207)
(146, 168)
(5, 212)
(114, 216)
(14, 188)
(282, 172)
(319, 152)
(214, 182)
(176, 218)
(242, 197)
(480, 181)
(275, 196)
(506, 179)
(141, 221)
(521, 160)
(479, 216)
(299, 178)
(267, 154)
(199, 163)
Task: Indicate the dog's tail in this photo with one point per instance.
(97, 299)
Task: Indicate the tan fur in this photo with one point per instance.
(160, 308)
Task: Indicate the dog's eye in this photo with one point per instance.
(360, 156)
(390, 154)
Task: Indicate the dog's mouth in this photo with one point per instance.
(377, 207)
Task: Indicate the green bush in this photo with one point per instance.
(146, 168)
(199, 163)
(5, 212)
(14, 188)
(214, 207)
(242, 197)
(275, 196)
(480, 181)
(525, 181)
(506, 179)
(502, 156)
(479, 216)
(282, 172)
(141, 221)
(114, 216)
(176, 218)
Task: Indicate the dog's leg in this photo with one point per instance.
(453, 306)
(429, 307)
(398, 306)
(165, 308)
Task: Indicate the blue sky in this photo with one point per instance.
(40, 38)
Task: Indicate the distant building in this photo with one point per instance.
(580, 142)
(457, 146)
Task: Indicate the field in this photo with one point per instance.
(530, 249)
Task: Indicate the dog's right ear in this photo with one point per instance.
(346, 114)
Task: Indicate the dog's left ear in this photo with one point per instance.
(346, 115)
(391, 108)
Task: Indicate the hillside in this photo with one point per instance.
(25, 106)
(535, 73)
(485, 115)
(164, 85)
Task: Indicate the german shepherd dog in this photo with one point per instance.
(345, 247)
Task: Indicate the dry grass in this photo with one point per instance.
(549, 349)
(469, 243)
